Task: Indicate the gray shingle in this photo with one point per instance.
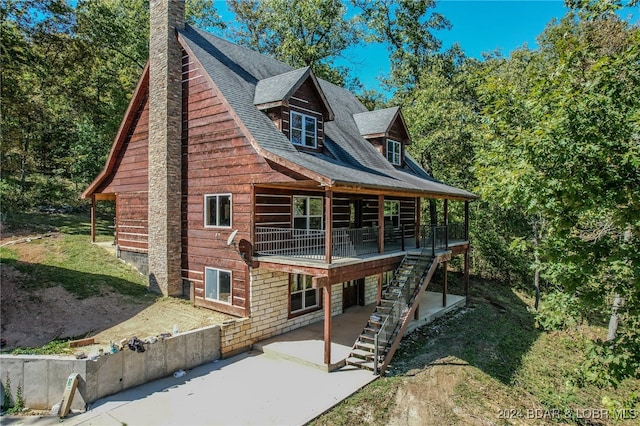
(236, 71)
(375, 122)
(279, 87)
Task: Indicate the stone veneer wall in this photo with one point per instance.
(370, 289)
(165, 146)
(270, 311)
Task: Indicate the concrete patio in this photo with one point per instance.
(306, 344)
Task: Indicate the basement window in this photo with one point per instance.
(217, 210)
(303, 297)
(217, 285)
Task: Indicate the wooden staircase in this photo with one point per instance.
(385, 328)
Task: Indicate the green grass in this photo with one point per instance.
(498, 360)
(69, 259)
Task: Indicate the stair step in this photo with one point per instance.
(360, 363)
(359, 353)
(364, 345)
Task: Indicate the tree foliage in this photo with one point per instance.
(301, 33)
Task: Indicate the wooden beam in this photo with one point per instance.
(93, 218)
(327, 325)
(418, 213)
(328, 231)
(466, 220)
(381, 224)
(444, 284)
(466, 276)
(379, 289)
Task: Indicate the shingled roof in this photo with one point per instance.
(350, 159)
(376, 122)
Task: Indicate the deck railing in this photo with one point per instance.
(350, 242)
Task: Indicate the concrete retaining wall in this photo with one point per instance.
(43, 378)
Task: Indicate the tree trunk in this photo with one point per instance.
(536, 258)
(613, 321)
(433, 212)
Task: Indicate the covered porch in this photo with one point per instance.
(307, 344)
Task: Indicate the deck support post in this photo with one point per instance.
(93, 218)
(381, 224)
(327, 325)
(466, 275)
(328, 232)
(379, 290)
(418, 215)
(466, 220)
(444, 284)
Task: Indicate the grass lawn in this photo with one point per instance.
(489, 364)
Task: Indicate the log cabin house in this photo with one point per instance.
(266, 193)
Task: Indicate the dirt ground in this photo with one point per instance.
(32, 319)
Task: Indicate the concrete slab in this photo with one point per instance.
(248, 389)
(306, 344)
(431, 308)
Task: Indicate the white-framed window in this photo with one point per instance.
(394, 150)
(303, 129)
(307, 212)
(302, 294)
(217, 285)
(217, 210)
(392, 213)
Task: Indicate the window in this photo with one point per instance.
(392, 214)
(393, 152)
(217, 210)
(303, 295)
(303, 130)
(217, 285)
(307, 212)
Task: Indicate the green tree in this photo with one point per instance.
(299, 32)
(563, 145)
(407, 26)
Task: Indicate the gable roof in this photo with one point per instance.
(351, 161)
(376, 123)
(276, 90)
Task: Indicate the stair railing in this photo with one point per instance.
(384, 336)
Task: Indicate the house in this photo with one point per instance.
(266, 193)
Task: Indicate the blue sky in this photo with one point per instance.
(477, 25)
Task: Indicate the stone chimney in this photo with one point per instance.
(165, 150)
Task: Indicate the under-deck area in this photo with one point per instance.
(306, 344)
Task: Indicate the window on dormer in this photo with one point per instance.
(393, 152)
(303, 130)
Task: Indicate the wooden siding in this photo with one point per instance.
(273, 209)
(217, 159)
(132, 230)
(131, 167)
(129, 181)
(305, 101)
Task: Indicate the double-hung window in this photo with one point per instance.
(303, 295)
(217, 285)
(394, 150)
(307, 212)
(217, 210)
(303, 130)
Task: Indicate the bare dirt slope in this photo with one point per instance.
(34, 318)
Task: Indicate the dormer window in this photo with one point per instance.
(303, 130)
(394, 150)
(386, 130)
